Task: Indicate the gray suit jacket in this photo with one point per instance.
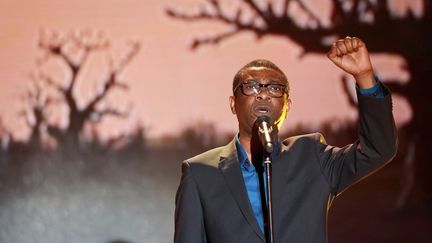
(212, 204)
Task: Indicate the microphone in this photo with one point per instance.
(264, 130)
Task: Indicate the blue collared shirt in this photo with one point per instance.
(251, 180)
(250, 175)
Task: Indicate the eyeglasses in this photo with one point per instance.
(253, 88)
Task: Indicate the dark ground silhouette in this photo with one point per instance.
(95, 194)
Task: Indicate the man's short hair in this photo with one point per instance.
(259, 63)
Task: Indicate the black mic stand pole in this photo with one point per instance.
(268, 170)
(265, 130)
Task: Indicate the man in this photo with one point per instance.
(219, 199)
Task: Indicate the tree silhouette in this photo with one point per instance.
(36, 113)
(70, 53)
(4, 137)
(383, 28)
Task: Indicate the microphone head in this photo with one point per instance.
(262, 118)
(264, 131)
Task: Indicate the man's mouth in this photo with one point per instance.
(262, 110)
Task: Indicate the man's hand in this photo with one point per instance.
(351, 55)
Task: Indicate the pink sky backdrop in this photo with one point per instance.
(172, 87)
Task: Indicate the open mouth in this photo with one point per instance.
(262, 110)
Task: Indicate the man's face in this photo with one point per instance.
(249, 108)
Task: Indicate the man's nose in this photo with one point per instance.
(263, 94)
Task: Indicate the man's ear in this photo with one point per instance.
(232, 104)
(288, 106)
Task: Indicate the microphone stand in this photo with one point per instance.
(265, 132)
(268, 178)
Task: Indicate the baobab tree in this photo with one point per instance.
(385, 28)
(70, 54)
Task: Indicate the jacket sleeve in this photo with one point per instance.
(376, 145)
(189, 222)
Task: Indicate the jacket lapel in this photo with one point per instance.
(230, 168)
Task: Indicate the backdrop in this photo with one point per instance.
(100, 101)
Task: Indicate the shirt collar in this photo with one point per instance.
(242, 155)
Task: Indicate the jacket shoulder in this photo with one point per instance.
(310, 137)
(208, 157)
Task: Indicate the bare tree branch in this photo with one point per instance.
(213, 40)
(263, 14)
(87, 41)
(396, 87)
(135, 46)
(351, 100)
(109, 84)
(97, 116)
(38, 103)
(53, 44)
(308, 11)
(49, 81)
(219, 16)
